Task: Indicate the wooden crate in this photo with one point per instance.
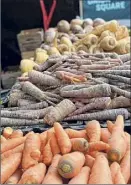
(29, 40)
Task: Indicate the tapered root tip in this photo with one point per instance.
(113, 155)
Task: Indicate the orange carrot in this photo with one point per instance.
(31, 152)
(117, 141)
(119, 179)
(89, 160)
(47, 154)
(12, 143)
(82, 177)
(54, 145)
(50, 133)
(33, 175)
(43, 138)
(114, 167)
(2, 139)
(70, 164)
(7, 132)
(9, 166)
(110, 126)
(29, 134)
(93, 131)
(79, 144)
(52, 176)
(62, 138)
(92, 154)
(125, 165)
(98, 146)
(100, 173)
(105, 135)
(16, 134)
(75, 133)
(14, 179)
(17, 149)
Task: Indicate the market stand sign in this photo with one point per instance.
(106, 9)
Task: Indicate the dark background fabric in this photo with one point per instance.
(17, 15)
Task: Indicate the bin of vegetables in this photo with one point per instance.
(70, 156)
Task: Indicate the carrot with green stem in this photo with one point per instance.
(34, 174)
(105, 135)
(9, 165)
(62, 138)
(17, 149)
(79, 144)
(47, 154)
(93, 131)
(89, 160)
(100, 173)
(12, 143)
(7, 132)
(117, 141)
(31, 152)
(70, 164)
(14, 179)
(75, 133)
(82, 177)
(52, 176)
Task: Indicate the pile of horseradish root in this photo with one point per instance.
(93, 155)
(78, 86)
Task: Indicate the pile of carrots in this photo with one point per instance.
(94, 155)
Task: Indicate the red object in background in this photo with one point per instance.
(47, 18)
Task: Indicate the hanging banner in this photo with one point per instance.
(106, 9)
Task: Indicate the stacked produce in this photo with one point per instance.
(71, 87)
(94, 155)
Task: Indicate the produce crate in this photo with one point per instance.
(29, 40)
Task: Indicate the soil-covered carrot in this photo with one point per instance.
(79, 144)
(101, 90)
(105, 135)
(34, 174)
(100, 173)
(120, 92)
(117, 141)
(82, 177)
(75, 133)
(98, 146)
(17, 149)
(2, 139)
(54, 145)
(89, 160)
(52, 176)
(118, 78)
(99, 103)
(125, 57)
(31, 152)
(93, 131)
(9, 166)
(42, 79)
(62, 138)
(101, 115)
(47, 154)
(16, 134)
(7, 132)
(12, 143)
(14, 179)
(59, 112)
(70, 164)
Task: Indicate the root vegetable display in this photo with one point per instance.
(90, 163)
